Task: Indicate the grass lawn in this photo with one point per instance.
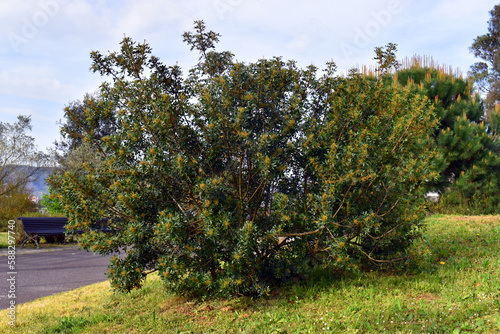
(4, 243)
(4, 239)
(456, 290)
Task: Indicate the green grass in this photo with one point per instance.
(455, 290)
(4, 243)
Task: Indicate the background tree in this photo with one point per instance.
(237, 175)
(19, 159)
(52, 204)
(487, 77)
(468, 143)
(75, 127)
(20, 162)
(72, 151)
(71, 148)
(18, 202)
(73, 160)
(487, 72)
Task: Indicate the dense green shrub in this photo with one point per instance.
(51, 203)
(370, 157)
(238, 176)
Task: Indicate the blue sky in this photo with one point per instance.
(44, 54)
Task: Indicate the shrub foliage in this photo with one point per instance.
(236, 176)
(16, 203)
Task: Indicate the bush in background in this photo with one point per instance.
(15, 204)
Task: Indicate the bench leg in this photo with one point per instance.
(28, 237)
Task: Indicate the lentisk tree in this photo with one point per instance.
(236, 175)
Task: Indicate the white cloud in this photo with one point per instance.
(25, 85)
(443, 29)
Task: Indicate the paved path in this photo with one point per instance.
(40, 273)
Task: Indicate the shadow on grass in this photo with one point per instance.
(447, 246)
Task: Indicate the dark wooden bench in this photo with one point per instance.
(35, 227)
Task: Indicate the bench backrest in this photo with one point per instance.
(44, 225)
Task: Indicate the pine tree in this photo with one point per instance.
(468, 159)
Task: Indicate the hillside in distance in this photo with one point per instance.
(37, 185)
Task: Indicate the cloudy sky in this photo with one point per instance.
(44, 54)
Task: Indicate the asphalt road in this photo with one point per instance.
(39, 274)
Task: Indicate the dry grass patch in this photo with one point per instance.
(427, 297)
